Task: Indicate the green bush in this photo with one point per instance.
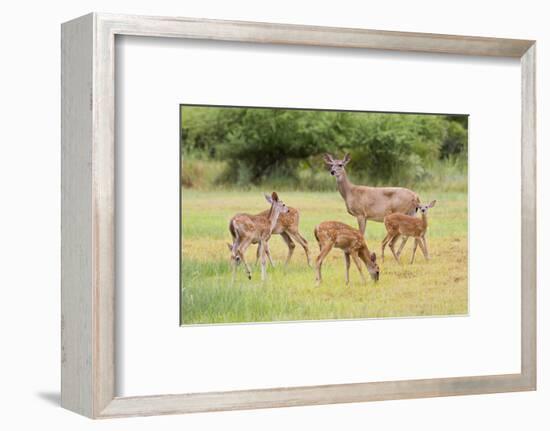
(273, 142)
(390, 147)
(455, 142)
(204, 129)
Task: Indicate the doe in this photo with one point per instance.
(340, 235)
(402, 224)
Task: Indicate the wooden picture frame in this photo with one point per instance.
(88, 215)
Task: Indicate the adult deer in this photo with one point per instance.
(249, 229)
(335, 234)
(401, 224)
(287, 227)
(370, 203)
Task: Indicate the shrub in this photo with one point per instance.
(455, 142)
(394, 148)
(272, 142)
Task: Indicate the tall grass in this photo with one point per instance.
(200, 174)
(448, 175)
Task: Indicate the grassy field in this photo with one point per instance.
(436, 287)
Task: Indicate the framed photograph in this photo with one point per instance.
(263, 215)
(230, 154)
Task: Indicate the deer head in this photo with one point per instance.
(235, 256)
(424, 207)
(335, 166)
(277, 205)
(372, 266)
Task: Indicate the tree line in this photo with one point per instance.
(256, 144)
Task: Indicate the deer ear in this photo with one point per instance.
(347, 159)
(274, 196)
(328, 158)
(432, 204)
(268, 198)
(373, 257)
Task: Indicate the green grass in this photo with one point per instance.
(435, 287)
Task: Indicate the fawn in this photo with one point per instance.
(287, 227)
(401, 224)
(335, 234)
(249, 229)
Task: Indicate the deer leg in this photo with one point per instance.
(290, 244)
(303, 242)
(263, 258)
(268, 254)
(362, 222)
(392, 247)
(241, 250)
(424, 247)
(325, 249)
(233, 271)
(358, 265)
(246, 267)
(384, 243)
(348, 262)
(234, 263)
(305, 246)
(257, 255)
(414, 250)
(402, 246)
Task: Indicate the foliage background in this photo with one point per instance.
(225, 147)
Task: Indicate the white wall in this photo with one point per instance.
(29, 216)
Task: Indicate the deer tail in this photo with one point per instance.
(232, 229)
(317, 236)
